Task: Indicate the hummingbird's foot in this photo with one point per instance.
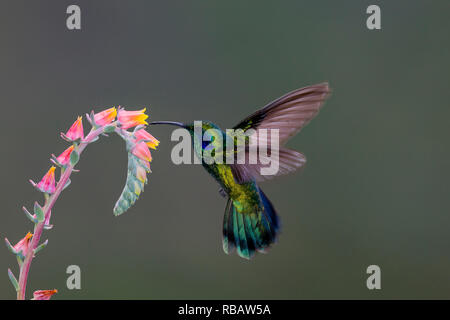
(222, 193)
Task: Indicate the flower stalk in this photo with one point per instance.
(28, 247)
(39, 227)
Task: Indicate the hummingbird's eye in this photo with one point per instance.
(205, 144)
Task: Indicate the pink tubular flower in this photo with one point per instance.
(76, 130)
(47, 184)
(105, 117)
(130, 119)
(64, 158)
(141, 151)
(151, 141)
(44, 294)
(141, 174)
(24, 244)
(146, 164)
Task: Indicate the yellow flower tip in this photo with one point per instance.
(141, 119)
(153, 144)
(28, 235)
(79, 121)
(141, 180)
(113, 111)
(137, 189)
(52, 169)
(141, 174)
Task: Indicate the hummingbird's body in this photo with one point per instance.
(250, 222)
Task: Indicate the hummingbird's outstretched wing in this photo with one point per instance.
(289, 114)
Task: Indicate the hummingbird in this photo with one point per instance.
(251, 223)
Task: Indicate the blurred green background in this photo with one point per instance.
(375, 189)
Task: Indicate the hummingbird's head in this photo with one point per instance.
(196, 129)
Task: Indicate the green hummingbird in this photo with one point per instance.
(251, 223)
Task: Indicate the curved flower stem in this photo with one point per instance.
(38, 228)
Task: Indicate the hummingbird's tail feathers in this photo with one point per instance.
(270, 211)
(228, 241)
(249, 232)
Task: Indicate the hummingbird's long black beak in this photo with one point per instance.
(173, 123)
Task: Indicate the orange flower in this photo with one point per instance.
(141, 151)
(47, 184)
(143, 135)
(130, 119)
(44, 294)
(105, 117)
(64, 158)
(76, 130)
(24, 244)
